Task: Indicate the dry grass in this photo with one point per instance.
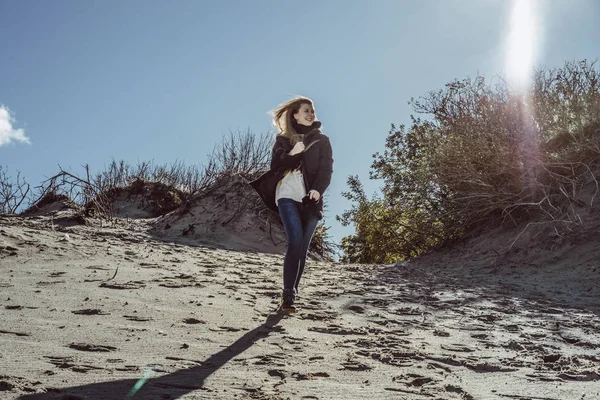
(238, 158)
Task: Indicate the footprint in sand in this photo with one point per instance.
(276, 360)
(457, 348)
(124, 286)
(355, 366)
(337, 330)
(277, 373)
(90, 311)
(319, 316)
(193, 321)
(309, 376)
(357, 309)
(91, 347)
(14, 333)
(227, 329)
(68, 363)
(413, 380)
(459, 391)
(137, 318)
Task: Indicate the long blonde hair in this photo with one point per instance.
(283, 116)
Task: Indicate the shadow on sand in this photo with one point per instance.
(171, 386)
(543, 288)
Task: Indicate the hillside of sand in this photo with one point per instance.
(115, 311)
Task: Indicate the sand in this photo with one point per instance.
(116, 312)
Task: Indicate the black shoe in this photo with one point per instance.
(287, 300)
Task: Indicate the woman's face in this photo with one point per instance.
(305, 115)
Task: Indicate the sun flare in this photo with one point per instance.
(522, 43)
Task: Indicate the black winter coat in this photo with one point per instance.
(317, 167)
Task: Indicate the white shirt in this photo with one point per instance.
(291, 186)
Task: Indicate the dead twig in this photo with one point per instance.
(113, 277)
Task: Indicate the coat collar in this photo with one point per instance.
(311, 136)
(308, 138)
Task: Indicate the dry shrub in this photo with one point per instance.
(482, 155)
(13, 192)
(167, 186)
(504, 157)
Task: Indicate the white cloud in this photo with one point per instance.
(9, 134)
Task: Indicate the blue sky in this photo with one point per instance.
(89, 81)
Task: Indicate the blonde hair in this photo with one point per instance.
(283, 117)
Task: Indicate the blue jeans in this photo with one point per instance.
(299, 233)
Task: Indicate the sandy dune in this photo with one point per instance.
(115, 312)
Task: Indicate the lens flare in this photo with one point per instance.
(148, 373)
(522, 43)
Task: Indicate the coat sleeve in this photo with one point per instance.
(323, 178)
(281, 160)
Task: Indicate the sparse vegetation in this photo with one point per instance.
(177, 182)
(12, 192)
(237, 158)
(482, 155)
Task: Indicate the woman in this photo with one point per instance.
(301, 168)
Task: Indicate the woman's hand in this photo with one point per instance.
(314, 195)
(298, 148)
